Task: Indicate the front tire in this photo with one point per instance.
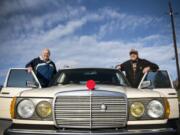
(175, 124)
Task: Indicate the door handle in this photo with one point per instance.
(5, 93)
(172, 94)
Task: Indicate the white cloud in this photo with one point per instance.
(66, 63)
(19, 6)
(60, 30)
(88, 51)
(118, 21)
(28, 36)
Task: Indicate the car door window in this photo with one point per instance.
(159, 79)
(20, 78)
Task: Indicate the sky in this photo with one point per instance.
(87, 33)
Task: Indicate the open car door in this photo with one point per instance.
(160, 81)
(17, 80)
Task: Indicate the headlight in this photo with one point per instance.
(25, 108)
(137, 109)
(155, 109)
(44, 109)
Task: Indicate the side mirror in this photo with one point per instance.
(145, 84)
(32, 84)
(175, 83)
(1, 87)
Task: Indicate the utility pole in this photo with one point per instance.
(171, 13)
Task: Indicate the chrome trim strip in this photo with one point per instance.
(90, 108)
(86, 92)
(75, 132)
(53, 108)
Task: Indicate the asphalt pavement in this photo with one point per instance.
(3, 125)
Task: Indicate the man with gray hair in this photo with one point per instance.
(43, 67)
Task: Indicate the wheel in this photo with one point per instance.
(175, 124)
(178, 127)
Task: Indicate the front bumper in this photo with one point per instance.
(160, 131)
(163, 129)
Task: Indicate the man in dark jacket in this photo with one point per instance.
(43, 67)
(135, 68)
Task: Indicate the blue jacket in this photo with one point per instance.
(44, 70)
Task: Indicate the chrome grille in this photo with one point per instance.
(73, 111)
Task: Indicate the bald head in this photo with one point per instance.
(45, 54)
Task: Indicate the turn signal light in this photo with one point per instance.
(167, 108)
(12, 107)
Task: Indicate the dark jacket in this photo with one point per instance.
(43, 70)
(135, 78)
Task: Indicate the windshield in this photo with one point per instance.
(100, 76)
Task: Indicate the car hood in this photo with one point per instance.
(52, 91)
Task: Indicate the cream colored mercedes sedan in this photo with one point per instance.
(89, 101)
